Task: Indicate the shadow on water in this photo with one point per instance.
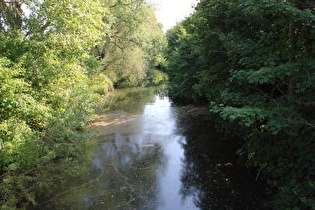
(150, 155)
(211, 173)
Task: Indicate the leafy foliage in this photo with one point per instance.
(254, 64)
(133, 44)
(51, 80)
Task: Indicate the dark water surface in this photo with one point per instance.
(152, 155)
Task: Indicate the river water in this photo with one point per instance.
(152, 155)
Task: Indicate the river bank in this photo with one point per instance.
(151, 154)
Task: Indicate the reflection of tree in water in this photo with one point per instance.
(122, 174)
(211, 174)
(130, 177)
(132, 100)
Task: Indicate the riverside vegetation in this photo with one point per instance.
(58, 60)
(253, 63)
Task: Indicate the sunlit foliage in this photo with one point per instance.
(133, 44)
(51, 80)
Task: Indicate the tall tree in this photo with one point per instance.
(57, 57)
(44, 96)
(256, 69)
(132, 43)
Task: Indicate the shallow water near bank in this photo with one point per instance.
(158, 156)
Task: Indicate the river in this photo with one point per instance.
(150, 154)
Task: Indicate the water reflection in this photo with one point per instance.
(136, 165)
(211, 174)
(152, 158)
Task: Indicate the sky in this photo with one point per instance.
(169, 12)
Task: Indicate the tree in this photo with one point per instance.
(133, 44)
(183, 66)
(44, 94)
(52, 75)
(256, 69)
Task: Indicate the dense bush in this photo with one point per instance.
(51, 80)
(254, 62)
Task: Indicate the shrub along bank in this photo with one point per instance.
(253, 62)
(58, 59)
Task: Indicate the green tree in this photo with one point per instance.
(133, 44)
(183, 65)
(52, 75)
(44, 93)
(256, 69)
